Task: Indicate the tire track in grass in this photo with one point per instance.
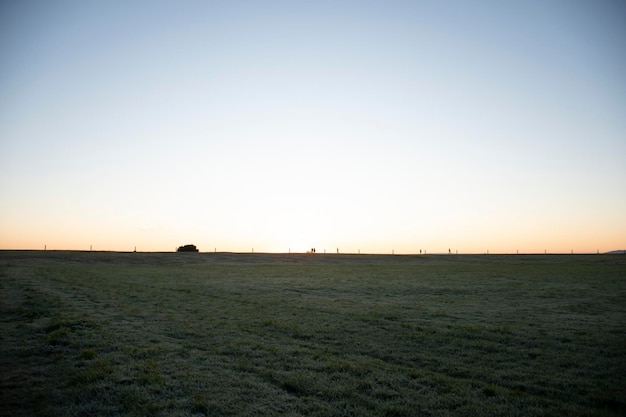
(155, 364)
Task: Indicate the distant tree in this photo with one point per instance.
(188, 248)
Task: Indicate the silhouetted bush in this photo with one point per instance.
(187, 248)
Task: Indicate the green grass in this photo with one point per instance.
(311, 335)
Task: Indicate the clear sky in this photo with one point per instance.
(376, 126)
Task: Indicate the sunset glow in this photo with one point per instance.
(372, 127)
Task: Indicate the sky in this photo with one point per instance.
(276, 126)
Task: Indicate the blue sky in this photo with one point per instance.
(372, 126)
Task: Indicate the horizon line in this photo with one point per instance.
(486, 253)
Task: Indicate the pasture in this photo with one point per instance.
(211, 334)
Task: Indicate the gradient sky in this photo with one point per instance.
(376, 126)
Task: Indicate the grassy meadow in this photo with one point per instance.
(173, 334)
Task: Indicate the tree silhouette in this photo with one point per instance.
(188, 248)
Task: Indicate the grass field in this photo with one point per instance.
(136, 334)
